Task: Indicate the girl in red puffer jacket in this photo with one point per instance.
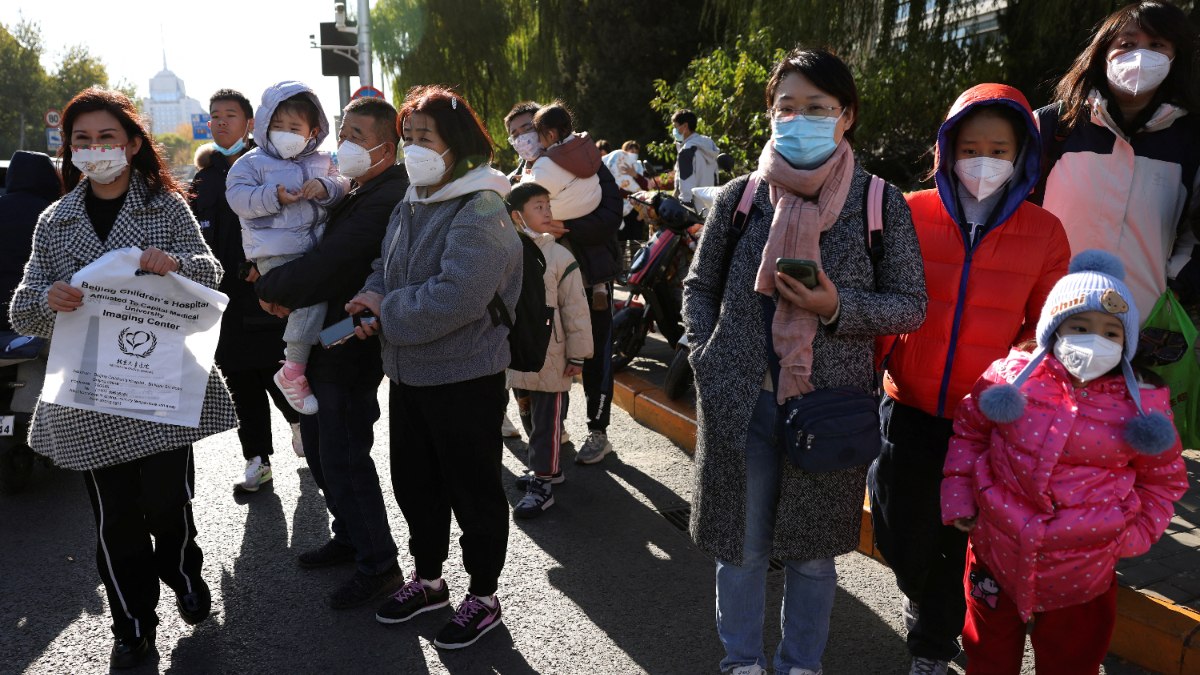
(1062, 462)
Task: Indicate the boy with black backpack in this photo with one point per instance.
(542, 396)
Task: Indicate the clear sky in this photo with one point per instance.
(242, 44)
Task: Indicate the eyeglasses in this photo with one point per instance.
(528, 127)
(812, 113)
(1160, 347)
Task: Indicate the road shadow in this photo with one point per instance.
(624, 551)
(48, 576)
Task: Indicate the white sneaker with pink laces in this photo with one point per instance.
(297, 393)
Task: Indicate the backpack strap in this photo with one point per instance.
(873, 205)
(737, 225)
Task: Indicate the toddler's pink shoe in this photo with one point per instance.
(297, 392)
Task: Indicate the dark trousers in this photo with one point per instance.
(132, 502)
(250, 390)
(927, 556)
(1068, 641)
(542, 415)
(446, 459)
(597, 371)
(337, 447)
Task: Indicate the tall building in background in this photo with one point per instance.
(169, 105)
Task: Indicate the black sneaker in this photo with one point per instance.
(538, 497)
(412, 599)
(523, 479)
(472, 620)
(329, 554)
(195, 606)
(364, 588)
(130, 652)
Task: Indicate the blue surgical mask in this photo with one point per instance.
(232, 150)
(677, 135)
(805, 144)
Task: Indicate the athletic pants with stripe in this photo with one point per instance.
(542, 415)
(133, 503)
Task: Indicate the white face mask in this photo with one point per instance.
(101, 164)
(287, 144)
(1087, 356)
(424, 166)
(1138, 71)
(354, 160)
(983, 176)
(527, 146)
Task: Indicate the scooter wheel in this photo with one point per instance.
(679, 375)
(628, 335)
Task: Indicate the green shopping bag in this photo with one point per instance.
(1167, 346)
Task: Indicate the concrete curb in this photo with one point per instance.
(1152, 633)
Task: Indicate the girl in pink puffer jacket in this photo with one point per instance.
(1062, 463)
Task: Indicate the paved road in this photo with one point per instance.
(602, 583)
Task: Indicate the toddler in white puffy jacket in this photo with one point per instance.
(281, 192)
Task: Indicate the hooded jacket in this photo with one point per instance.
(31, 185)
(1059, 495)
(445, 256)
(696, 165)
(986, 284)
(568, 170)
(572, 331)
(250, 338)
(268, 228)
(1130, 195)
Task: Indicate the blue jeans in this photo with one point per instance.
(809, 585)
(337, 447)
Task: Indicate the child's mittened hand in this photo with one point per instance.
(313, 189)
(964, 524)
(286, 197)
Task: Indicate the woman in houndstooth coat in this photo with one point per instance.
(139, 475)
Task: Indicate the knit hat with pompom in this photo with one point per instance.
(1095, 283)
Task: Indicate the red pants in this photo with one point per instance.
(1068, 641)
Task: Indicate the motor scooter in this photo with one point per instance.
(679, 371)
(22, 372)
(655, 278)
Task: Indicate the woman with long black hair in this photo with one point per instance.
(1123, 142)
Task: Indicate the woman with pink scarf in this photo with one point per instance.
(750, 504)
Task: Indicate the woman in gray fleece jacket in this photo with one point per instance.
(449, 252)
(749, 502)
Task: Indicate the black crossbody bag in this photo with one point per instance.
(826, 429)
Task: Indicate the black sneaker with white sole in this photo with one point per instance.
(523, 479)
(472, 621)
(538, 497)
(412, 599)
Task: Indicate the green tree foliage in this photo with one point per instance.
(23, 83)
(458, 43)
(28, 91)
(725, 89)
(77, 70)
(600, 56)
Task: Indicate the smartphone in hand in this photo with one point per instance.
(804, 271)
(343, 330)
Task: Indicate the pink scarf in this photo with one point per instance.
(796, 233)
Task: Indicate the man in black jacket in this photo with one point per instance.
(593, 240)
(251, 342)
(345, 379)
